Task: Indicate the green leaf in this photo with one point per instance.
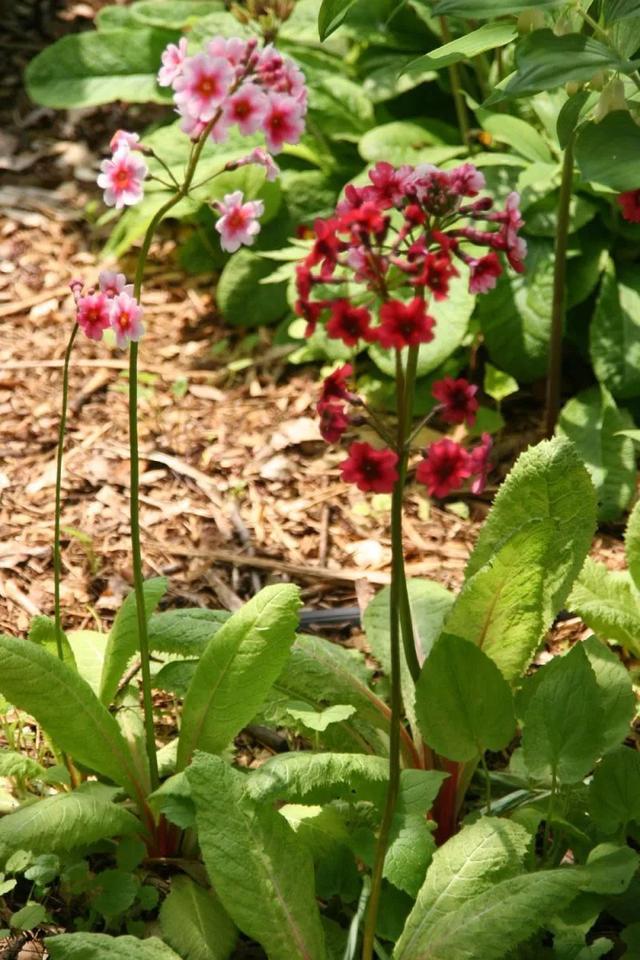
(487, 37)
(42, 631)
(593, 422)
(544, 61)
(607, 152)
(430, 602)
(452, 320)
(194, 922)
(608, 603)
(174, 15)
(339, 108)
(569, 116)
(515, 316)
(332, 13)
(63, 822)
(31, 916)
(563, 720)
(463, 868)
(632, 544)
(13, 764)
(66, 707)
(319, 720)
(615, 10)
(609, 869)
(409, 141)
(615, 332)
(493, 923)
(463, 703)
(123, 642)
(89, 648)
(243, 299)
(497, 384)
(184, 632)
(306, 777)
(500, 607)
(261, 872)
(615, 689)
(614, 794)
(490, 8)
(522, 136)
(548, 481)
(411, 847)
(116, 892)
(237, 669)
(86, 69)
(98, 946)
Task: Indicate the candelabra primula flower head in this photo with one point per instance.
(93, 314)
(113, 307)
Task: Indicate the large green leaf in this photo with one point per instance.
(463, 868)
(237, 669)
(607, 152)
(339, 108)
(593, 422)
(516, 315)
(411, 847)
(563, 720)
(548, 481)
(463, 703)
(98, 946)
(409, 141)
(490, 8)
(174, 15)
(194, 922)
(544, 60)
(305, 777)
(487, 37)
(608, 602)
(615, 332)
(614, 794)
(260, 870)
(63, 822)
(186, 631)
(85, 69)
(500, 607)
(89, 648)
(615, 689)
(67, 708)
(517, 133)
(123, 642)
(430, 602)
(632, 544)
(332, 13)
(243, 300)
(452, 320)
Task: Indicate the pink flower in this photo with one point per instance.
(232, 49)
(484, 272)
(480, 465)
(467, 180)
(93, 315)
(113, 283)
(261, 158)
(202, 86)
(246, 107)
(122, 138)
(238, 224)
(122, 178)
(283, 122)
(126, 319)
(172, 60)
(192, 127)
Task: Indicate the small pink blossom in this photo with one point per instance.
(467, 180)
(479, 461)
(172, 60)
(192, 126)
(484, 272)
(284, 122)
(113, 283)
(246, 107)
(126, 319)
(260, 158)
(238, 224)
(123, 138)
(76, 285)
(232, 49)
(202, 86)
(122, 178)
(93, 314)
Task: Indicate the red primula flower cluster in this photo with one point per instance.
(629, 204)
(396, 243)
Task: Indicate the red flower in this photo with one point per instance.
(629, 204)
(334, 386)
(349, 324)
(333, 421)
(480, 466)
(458, 399)
(311, 311)
(445, 468)
(404, 324)
(370, 469)
(326, 247)
(389, 184)
(437, 271)
(303, 280)
(484, 273)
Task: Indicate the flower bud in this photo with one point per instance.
(598, 80)
(612, 98)
(572, 87)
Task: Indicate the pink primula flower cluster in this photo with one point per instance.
(232, 82)
(112, 306)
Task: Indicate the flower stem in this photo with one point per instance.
(456, 90)
(134, 507)
(554, 373)
(57, 558)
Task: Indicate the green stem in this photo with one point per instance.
(554, 374)
(487, 782)
(134, 507)
(404, 387)
(57, 558)
(406, 619)
(456, 90)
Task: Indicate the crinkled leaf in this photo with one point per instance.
(98, 946)
(632, 544)
(615, 689)
(184, 632)
(195, 923)
(260, 870)
(614, 794)
(615, 332)
(607, 601)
